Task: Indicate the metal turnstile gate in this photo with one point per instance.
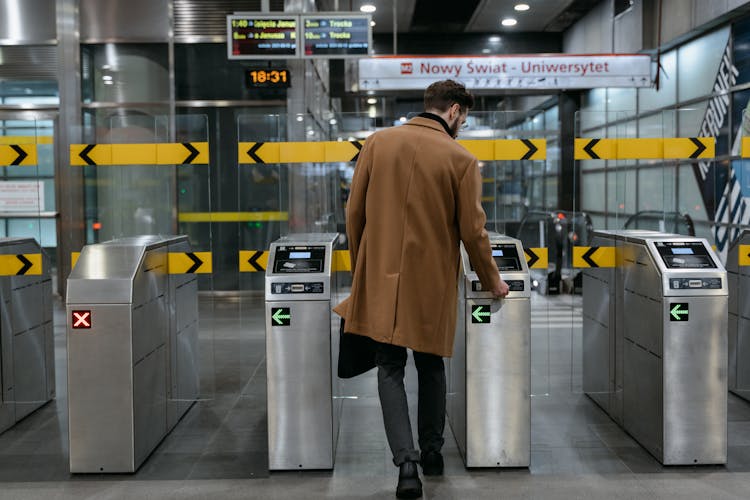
(132, 351)
(655, 344)
(489, 402)
(301, 343)
(738, 273)
(27, 352)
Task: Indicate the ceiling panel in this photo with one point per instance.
(489, 13)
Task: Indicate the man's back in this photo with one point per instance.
(414, 196)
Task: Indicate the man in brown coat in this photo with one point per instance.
(415, 194)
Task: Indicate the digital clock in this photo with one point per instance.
(268, 78)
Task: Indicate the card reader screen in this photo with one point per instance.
(300, 255)
(682, 251)
(299, 259)
(506, 257)
(685, 255)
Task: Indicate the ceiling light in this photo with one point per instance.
(368, 8)
(494, 39)
(485, 51)
(522, 7)
(300, 118)
(332, 121)
(402, 119)
(372, 23)
(509, 21)
(372, 100)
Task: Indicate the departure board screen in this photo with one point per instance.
(684, 255)
(261, 37)
(336, 35)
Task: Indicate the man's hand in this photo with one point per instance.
(501, 290)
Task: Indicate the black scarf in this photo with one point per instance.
(437, 118)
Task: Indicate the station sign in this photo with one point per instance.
(554, 71)
(335, 35)
(262, 37)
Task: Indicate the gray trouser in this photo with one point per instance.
(391, 361)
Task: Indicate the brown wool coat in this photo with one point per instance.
(415, 193)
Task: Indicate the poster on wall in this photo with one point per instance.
(21, 196)
(734, 192)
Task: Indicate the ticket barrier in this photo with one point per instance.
(132, 351)
(301, 342)
(738, 273)
(489, 375)
(655, 343)
(27, 356)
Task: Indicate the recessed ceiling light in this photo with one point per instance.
(509, 21)
(368, 8)
(522, 7)
(494, 39)
(372, 100)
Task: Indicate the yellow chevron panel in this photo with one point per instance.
(640, 149)
(689, 147)
(302, 152)
(100, 154)
(591, 148)
(340, 151)
(133, 154)
(482, 149)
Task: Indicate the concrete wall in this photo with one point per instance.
(636, 29)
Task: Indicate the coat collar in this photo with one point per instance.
(422, 121)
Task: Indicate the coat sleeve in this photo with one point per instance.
(471, 221)
(356, 205)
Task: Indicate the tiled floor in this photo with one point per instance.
(219, 449)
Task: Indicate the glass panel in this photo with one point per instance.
(709, 50)
(139, 196)
(124, 72)
(666, 94)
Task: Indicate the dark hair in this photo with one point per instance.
(441, 96)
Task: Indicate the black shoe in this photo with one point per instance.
(432, 463)
(409, 485)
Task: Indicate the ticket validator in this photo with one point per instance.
(301, 344)
(655, 344)
(489, 386)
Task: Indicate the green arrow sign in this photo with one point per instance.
(281, 316)
(480, 314)
(679, 311)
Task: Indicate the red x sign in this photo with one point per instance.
(81, 319)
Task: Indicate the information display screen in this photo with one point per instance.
(261, 37)
(506, 257)
(299, 259)
(336, 35)
(685, 255)
(268, 78)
